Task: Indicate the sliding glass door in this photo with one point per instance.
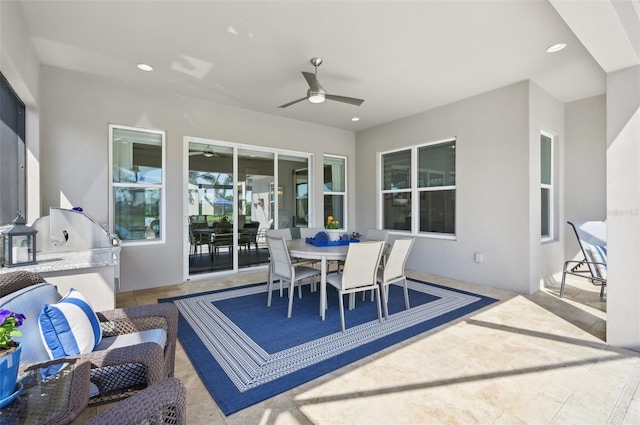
(293, 192)
(255, 204)
(210, 206)
(235, 194)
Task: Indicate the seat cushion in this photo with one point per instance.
(70, 327)
(159, 336)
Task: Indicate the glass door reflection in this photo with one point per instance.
(210, 198)
(255, 207)
(229, 213)
(293, 192)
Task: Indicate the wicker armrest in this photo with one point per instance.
(140, 318)
(148, 354)
(161, 403)
(79, 389)
(134, 319)
(16, 280)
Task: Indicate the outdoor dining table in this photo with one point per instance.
(299, 248)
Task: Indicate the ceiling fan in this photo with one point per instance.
(207, 152)
(317, 94)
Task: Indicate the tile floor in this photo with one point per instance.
(526, 360)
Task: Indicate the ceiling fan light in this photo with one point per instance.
(145, 67)
(208, 152)
(556, 47)
(316, 98)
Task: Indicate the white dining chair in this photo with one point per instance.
(310, 232)
(280, 233)
(283, 268)
(358, 274)
(277, 233)
(286, 234)
(393, 271)
(372, 235)
(376, 235)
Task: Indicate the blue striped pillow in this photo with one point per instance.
(597, 256)
(69, 327)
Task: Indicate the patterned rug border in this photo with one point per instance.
(238, 373)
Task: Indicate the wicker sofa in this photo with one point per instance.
(161, 403)
(118, 369)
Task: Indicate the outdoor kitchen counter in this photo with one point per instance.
(92, 272)
(60, 261)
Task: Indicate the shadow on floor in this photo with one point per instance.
(580, 306)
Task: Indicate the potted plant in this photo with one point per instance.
(9, 351)
(333, 228)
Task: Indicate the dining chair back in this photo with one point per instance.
(361, 264)
(394, 271)
(372, 235)
(281, 261)
(376, 235)
(197, 241)
(280, 233)
(310, 232)
(282, 267)
(359, 273)
(277, 233)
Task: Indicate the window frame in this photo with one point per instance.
(137, 185)
(549, 187)
(297, 198)
(414, 190)
(345, 220)
(20, 200)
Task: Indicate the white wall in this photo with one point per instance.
(498, 185)
(545, 259)
(19, 63)
(21, 68)
(585, 165)
(76, 111)
(492, 176)
(623, 208)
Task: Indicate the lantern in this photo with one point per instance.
(19, 243)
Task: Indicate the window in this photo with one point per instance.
(12, 154)
(419, 188)
(335, 189)
(396, 185)
(546, 186)
(301, 206)
(437, 187)
(137, 183)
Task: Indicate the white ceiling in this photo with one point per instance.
(401, 57)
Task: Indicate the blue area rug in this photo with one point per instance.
(246, 352)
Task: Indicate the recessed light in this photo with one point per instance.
(355, 119)
(145, 67)
(556, 47)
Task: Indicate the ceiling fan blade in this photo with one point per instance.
(344, 99)
(291, 103)
(311, 80)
